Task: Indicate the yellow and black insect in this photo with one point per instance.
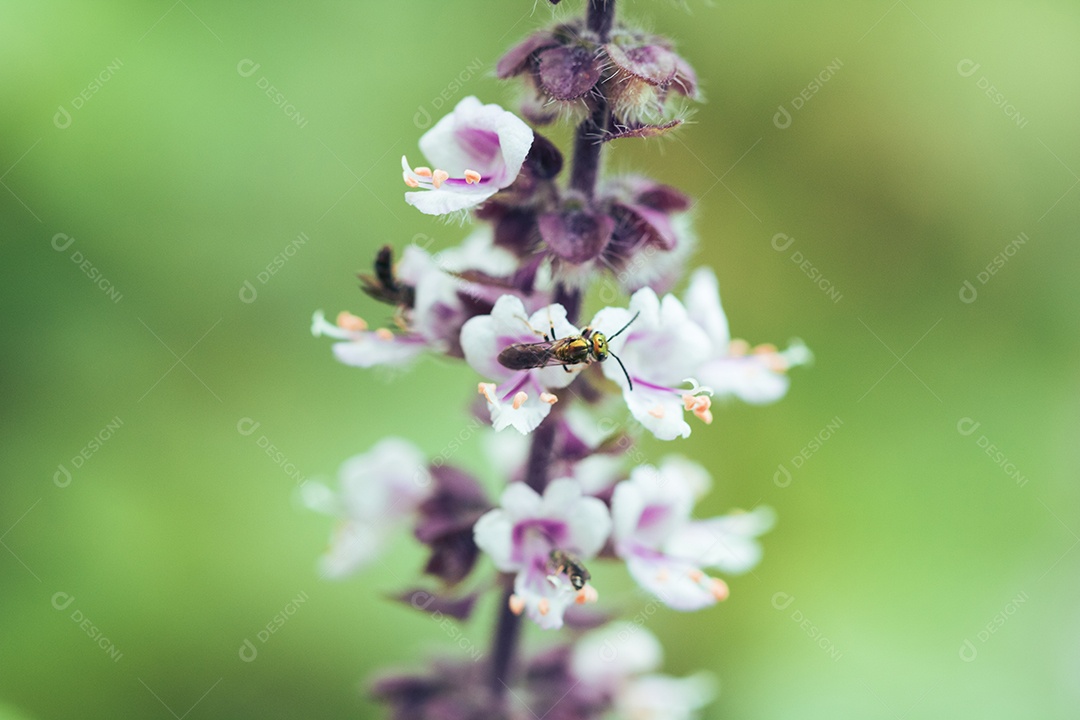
(588, 347)
(564, 562)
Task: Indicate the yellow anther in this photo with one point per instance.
(472, 177)
(548, 398)
(439, 177)
(348, 321)
(423, 171)
(520, 399)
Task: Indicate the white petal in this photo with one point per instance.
(660, 411)
(321, 327)
(589, 523)
(660, 697)
(534, 587)
(316, 496)
(670, 581)
(609, 656)
(525, 418)
(747, 377)
(727, 543)
(353, 546)
(369, 350)
(598, 472)
(703, 306)
(448, 199)
(493, 533)
(627, 504)
(386, 483)
(515, 140)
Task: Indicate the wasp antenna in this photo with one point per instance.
(628, 380)
(612, 337)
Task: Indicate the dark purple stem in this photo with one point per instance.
(569, 298)
(590, 133)
(507, 632)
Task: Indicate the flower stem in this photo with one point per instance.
(590, 133)
(507, 632)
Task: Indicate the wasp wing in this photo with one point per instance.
(525, 356)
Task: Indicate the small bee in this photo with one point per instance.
(564, 562)
(384, 286)
(588, 347)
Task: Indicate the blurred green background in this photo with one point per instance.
(942, 133)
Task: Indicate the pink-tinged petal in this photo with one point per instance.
(560, 497)
(605, 658)
(483, 337)
(598, 472)
(703, 307)
(493, 534)
(650, 506)
(480, 137)
(727, 543)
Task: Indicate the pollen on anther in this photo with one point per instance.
(520, 399)
(543, 606)
(487, 390)
(410, 180)
(423, 171)
(586, 594)
(384, 334)
(348, 321)
(719, 589)
(695, 575)
(472, 177)
(439, 177)
(516, 604)
(548, 398)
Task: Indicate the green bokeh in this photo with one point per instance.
(180, 179)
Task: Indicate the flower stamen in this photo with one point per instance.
(384, 334)
(472, 177)
(516, 604)
(548, 398)
(348, 321)
(439, 177)
(586, 594)
(519, 399)
(488, 391)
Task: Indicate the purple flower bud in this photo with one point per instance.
(576, 236)
(568, 72)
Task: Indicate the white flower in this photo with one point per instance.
(517, 398)
(380, 489)
(617, 663)
(660, 349)
(665, 550)
(754, 375)
(476, 151)
(521, 534)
